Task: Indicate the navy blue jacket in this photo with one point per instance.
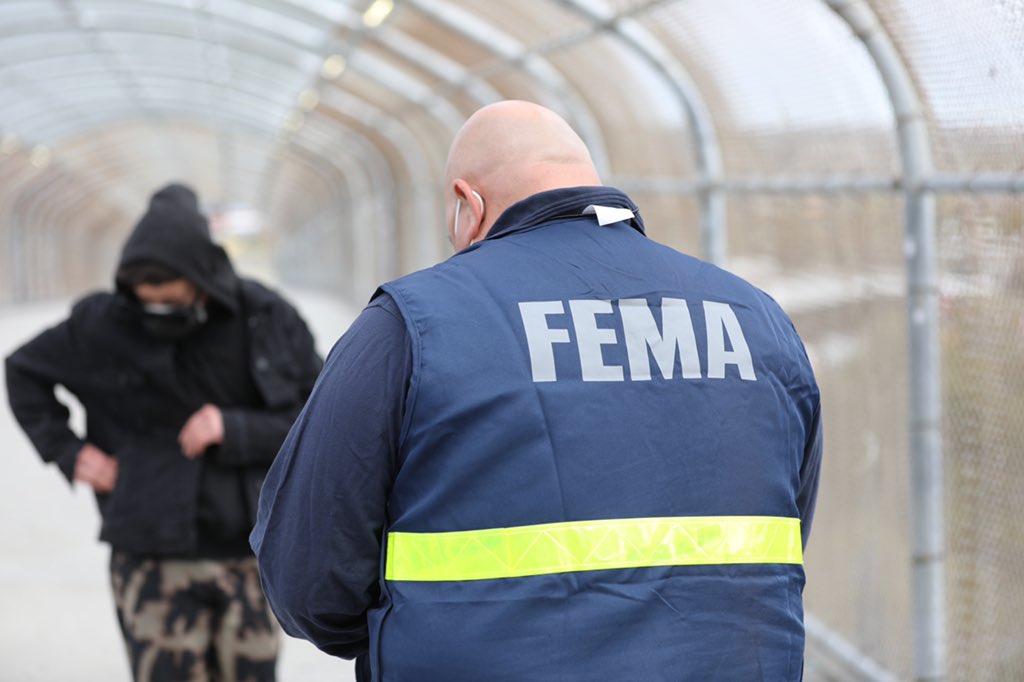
(533, 399)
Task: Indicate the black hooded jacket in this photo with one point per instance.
(138, 392)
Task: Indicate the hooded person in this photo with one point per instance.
(190, 377)
(171, 241)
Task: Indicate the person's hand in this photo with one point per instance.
(97, 468)
(203, 429)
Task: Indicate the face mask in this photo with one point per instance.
(172, 322)
(458, 207)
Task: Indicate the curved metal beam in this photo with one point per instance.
(407, 147)
(48, 229)
(261, 125)
(428, 60)
(510, 50)
(404, 145)
(18, 247)
(298, 245)
(189, 110)
(373, 193)
(33, 206)
(117, 27)
(324, 166)
(449, 120)
(286, 102)
(925, 356)
(434, 62)
(714, 237)
(42, 69)
(246, 104)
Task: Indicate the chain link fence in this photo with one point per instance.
(982, 283)
(834, 263)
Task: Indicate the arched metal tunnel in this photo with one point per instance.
(860, 160)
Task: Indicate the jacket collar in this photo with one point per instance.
(560, 204)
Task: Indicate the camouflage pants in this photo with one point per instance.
(194, 620)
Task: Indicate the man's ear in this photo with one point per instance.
(473, 208)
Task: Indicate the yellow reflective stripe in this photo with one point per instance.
(592, 546)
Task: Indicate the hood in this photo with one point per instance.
(174, 233)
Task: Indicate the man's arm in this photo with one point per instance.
(323, 506)
(33, 371)
(810, 470)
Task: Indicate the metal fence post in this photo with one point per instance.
(925, 367)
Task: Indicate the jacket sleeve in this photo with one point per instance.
(33, 371)
(810, 471)
(253, 436)
(323, 506)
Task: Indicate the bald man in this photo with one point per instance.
(565, 453)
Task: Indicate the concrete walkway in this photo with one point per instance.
(57, 621)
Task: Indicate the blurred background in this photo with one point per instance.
(860, 160)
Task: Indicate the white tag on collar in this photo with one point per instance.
(608, 214)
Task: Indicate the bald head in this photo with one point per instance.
(506, 152)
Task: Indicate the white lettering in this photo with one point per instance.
(641, 332)
(726, 343)
(721, 321)
(540, 338)
(590, 338)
